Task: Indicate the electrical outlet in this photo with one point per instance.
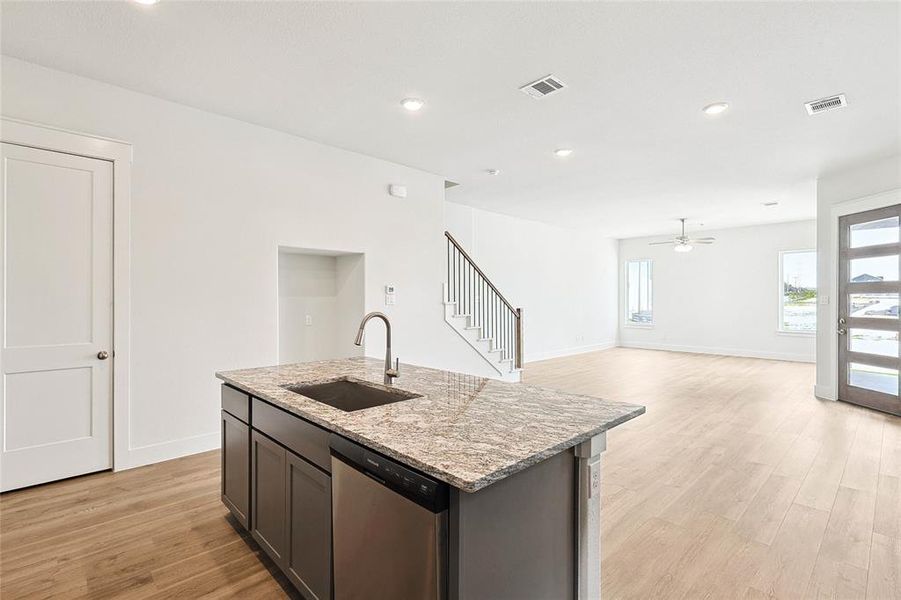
(309, 320)
(594, 476)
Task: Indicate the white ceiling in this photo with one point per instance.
(638, 74)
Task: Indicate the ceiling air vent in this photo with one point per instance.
(543, 87)
(824, 104)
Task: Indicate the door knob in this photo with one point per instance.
(103, 355)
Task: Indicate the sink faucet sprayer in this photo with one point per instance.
(390, 373)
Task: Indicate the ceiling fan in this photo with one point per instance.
(683, 243)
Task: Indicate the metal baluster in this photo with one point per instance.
(466, 278)
(466, 286)
(509, 339)
(510, 333)
(479, 303)
(503, 339)
(456, 304)
(457, 280)
(482, 310)
(469, 288)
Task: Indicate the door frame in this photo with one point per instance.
(54, 139)
(849, 207)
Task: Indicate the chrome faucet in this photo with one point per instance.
(390, 372)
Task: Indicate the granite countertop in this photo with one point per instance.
(465, 430)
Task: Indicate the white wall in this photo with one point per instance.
(723, 298)
(565, 280)
(212, 200)
(350, 293)
(308, 286)
(846, 191)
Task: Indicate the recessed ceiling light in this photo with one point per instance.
(493, 171)
(716, 108)
(563, 152)
(412, 104)
(147, 2)
(772, 203)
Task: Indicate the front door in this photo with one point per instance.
(56, 326)
(868, 327)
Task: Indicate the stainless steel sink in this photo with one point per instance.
(349, 395)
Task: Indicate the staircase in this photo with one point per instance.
(476, 310)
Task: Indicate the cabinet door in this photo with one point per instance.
(309, 557)
(236, 467)
(268, 518)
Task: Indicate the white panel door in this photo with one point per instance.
(56, 357)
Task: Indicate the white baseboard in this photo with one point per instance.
(536, 356)
(721, 351)
(154, 453)
(825, 392)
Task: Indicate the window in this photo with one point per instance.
(639, 293)
(798, 299)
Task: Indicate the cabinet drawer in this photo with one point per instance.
(299, 436)
(236, 402)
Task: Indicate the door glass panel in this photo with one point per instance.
(873, 233)
(874, 268)
(874, 341)
(874, 306)
(878, 379)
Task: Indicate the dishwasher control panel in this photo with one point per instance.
(422, 489)
(399, 475)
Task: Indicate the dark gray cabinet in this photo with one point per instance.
(236, 467)
(292, 515)
(236, 402)
(299, 436)
(309, 550)
(275, 480)
(269, 516)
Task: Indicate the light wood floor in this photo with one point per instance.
(737, 483)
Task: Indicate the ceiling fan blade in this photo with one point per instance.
(705, 242)
(703, 239)
(660, 243)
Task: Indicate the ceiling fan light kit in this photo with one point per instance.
(683, 243)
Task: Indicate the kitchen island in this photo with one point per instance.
(520, 465)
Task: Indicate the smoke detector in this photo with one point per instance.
(823, 104)
(543, 87)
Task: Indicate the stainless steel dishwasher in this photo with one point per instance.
(389, 528)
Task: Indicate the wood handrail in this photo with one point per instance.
(479, 271)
